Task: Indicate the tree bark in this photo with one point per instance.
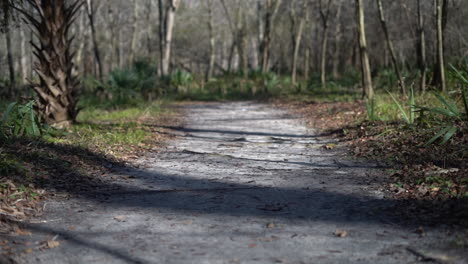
(297, 40)
(135, 32)
(169, 27)
(233, 34)
(440, 46)
(368, 90)
(242, 42)
(337, 48)
(23, 57)
(149, 47)
(82, 38)
(324, 15)
(162, 34)
(11, 66)
(97, 55)
(391, 50)
(307, 64)
(421, 49)
(271, 12)
(57, 88)
(209, 73)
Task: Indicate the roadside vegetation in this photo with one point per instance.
(64, 125)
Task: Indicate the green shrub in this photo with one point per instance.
(181, 80)
(408, 117)
(450, 111)
(20, 120)
(124, 87)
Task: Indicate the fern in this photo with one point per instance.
(20, 121)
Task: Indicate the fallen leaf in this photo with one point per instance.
(329, 146)
(270, 225)
(340, 233)
(52, 244)
(252, 245)
(420, 231)
(22, 232)
(120, 218)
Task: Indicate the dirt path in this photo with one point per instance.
(241, 183)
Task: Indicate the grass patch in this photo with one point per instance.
(144, 111)
(120, 132)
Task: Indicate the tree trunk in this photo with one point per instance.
(324, 15)
(135, 32)
(337, 48)
(307, 64)
(421, 49)
(169, 26)
(209, 73)
(81, 46)
(242, 42)
(297, 41)
(368, 90)
(149, 46)
(391, 50)
(57, 89)
(271, 12)
(120, 43)
(440, 46)
(23, 57)
(11, 67)
(162, 34)
(97, 55)
(233, 34)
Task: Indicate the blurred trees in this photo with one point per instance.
(302, 38)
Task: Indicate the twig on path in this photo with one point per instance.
(425, 257)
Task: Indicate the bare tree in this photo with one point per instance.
(271, 10)
(209, 73)
(135, 32)
(421, 50)
(22, 55)
(241, 40)
(90, 11)
(232, 29)
(307, 63)
(368, 90)
(383, 22)
(297, 34)
(7, 17)
(324, 18)
(440, 45)
(169, 21)
(338, 36)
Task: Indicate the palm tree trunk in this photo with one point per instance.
(57, 88)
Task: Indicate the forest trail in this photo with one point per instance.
(242, 182)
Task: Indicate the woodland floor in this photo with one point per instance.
(239, 182)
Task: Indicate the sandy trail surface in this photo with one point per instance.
(242, 182)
